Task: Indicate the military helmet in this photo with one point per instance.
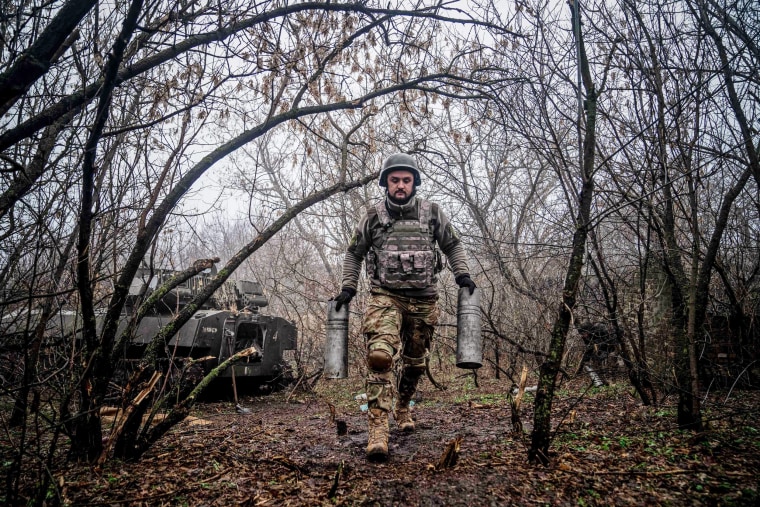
(399, 162)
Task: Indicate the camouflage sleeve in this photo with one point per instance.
(451, 245)
(355, 253)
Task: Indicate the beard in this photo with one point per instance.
(403, 201)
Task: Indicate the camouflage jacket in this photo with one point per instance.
(370, 234)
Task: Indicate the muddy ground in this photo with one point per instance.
(609, 450)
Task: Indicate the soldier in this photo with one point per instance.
(398, 238)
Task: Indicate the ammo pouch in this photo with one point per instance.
(406, 270)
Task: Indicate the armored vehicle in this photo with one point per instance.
(228, 322)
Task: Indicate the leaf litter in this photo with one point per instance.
(301, 449)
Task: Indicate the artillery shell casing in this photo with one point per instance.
(336, 343)
(469, 339)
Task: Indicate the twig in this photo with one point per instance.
(440, 387)
(737, 380)
(336, 481)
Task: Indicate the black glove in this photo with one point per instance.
(465, 281)
(345, 297)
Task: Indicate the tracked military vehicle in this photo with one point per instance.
(228, 322)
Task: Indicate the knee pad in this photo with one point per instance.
(380, 357)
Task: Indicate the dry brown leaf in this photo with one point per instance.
(196, 421)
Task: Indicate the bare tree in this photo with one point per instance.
(541, 435)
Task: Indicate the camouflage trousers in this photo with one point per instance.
(403, 327)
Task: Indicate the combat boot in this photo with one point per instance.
(407, 386)
(377, 441)
(403, 416)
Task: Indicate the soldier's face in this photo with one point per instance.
(400, 184)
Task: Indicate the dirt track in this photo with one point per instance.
(614, 452)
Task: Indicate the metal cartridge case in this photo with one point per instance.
(469, 339)
(336, 343)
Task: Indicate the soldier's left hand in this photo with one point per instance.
(465, 281)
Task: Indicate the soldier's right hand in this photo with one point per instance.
(345, 297)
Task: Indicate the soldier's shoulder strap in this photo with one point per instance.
(426, 212)
(382, 214)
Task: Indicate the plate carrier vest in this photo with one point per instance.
(407, 258)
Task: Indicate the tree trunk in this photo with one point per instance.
(87, 441)
(541, 436)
